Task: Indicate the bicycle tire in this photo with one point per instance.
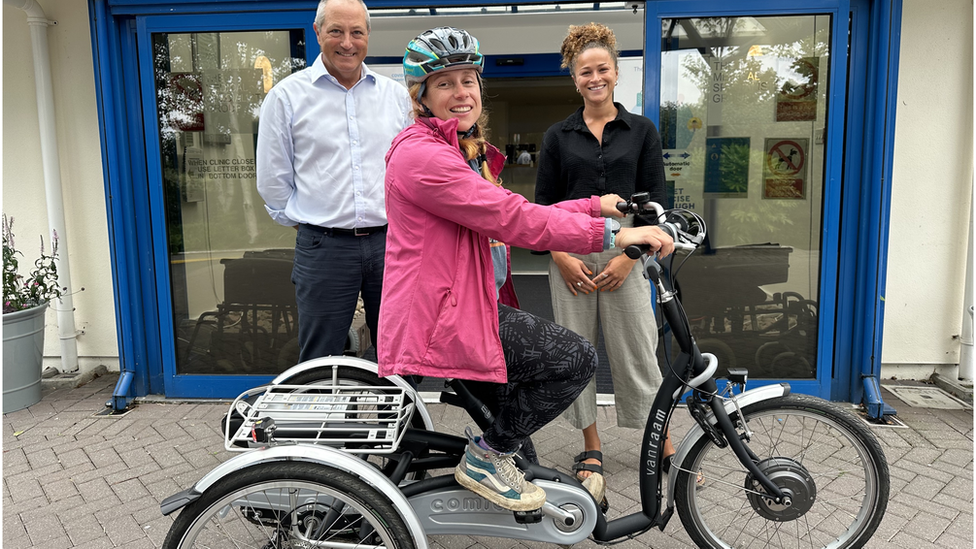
(278, 505)
(825, 455)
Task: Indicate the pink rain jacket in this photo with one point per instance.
(439, 313)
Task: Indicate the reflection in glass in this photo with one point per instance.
(743, 105)
(230, 264)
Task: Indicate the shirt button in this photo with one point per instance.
(600, 157)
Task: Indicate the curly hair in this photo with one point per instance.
(584, 37)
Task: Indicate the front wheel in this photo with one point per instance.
(824, 457)
(286, 506)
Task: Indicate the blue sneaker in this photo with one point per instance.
(495, 477)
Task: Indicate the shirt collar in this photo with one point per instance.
(575, 120)
(318, 70)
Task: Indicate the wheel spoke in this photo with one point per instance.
(290, 505)
(822, 457)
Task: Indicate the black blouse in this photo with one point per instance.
(573, 164)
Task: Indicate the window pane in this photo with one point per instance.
(230, 264)
(743, 105)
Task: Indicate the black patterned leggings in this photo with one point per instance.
(548, 367)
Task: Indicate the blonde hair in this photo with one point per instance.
(584, 37)
(471, 147)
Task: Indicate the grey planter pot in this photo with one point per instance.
(23, 352)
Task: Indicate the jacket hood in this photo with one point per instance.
(446, 130)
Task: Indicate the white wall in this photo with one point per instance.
(933, 168)
(505, 34)
(81, 171)
(931, 189)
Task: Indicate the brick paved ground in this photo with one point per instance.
(74, 480)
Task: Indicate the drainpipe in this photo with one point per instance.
(51, 163)
(966, 335)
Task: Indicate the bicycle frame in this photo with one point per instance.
(690, 369)
(440, 506)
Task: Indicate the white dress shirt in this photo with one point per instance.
(321, 148)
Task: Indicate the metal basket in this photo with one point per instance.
(356, 419)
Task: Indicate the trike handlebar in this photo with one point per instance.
(685, 227)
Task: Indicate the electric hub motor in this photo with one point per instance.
(793, 479)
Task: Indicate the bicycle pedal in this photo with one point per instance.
(528, 517)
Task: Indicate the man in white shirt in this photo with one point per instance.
(322, 139)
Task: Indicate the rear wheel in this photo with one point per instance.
(289, 505)
(824, 457)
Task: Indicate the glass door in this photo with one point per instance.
(224, 277)
(744, 120)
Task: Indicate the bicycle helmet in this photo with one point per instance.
(440, 49)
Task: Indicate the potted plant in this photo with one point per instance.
(25, 300)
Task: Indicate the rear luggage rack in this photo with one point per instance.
(357, 419)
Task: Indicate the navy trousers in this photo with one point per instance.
(330, 272)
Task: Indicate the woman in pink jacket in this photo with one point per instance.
(447, 296)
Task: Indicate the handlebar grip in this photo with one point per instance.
(623, 206)
(634, 251)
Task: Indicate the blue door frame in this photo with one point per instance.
(838, 10)
(197, 386)
(130, 237)
(867, 198)
(854, 240)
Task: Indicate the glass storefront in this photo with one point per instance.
(229, 264)
(742, 106)
(743, 100)
(521, 110)
(742, 119)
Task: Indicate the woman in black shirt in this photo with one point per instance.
(602, 149)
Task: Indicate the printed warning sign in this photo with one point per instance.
(785, 168)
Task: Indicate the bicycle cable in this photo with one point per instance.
(667, 356)
(673, 273)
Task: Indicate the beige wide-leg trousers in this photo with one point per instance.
(630, 335)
